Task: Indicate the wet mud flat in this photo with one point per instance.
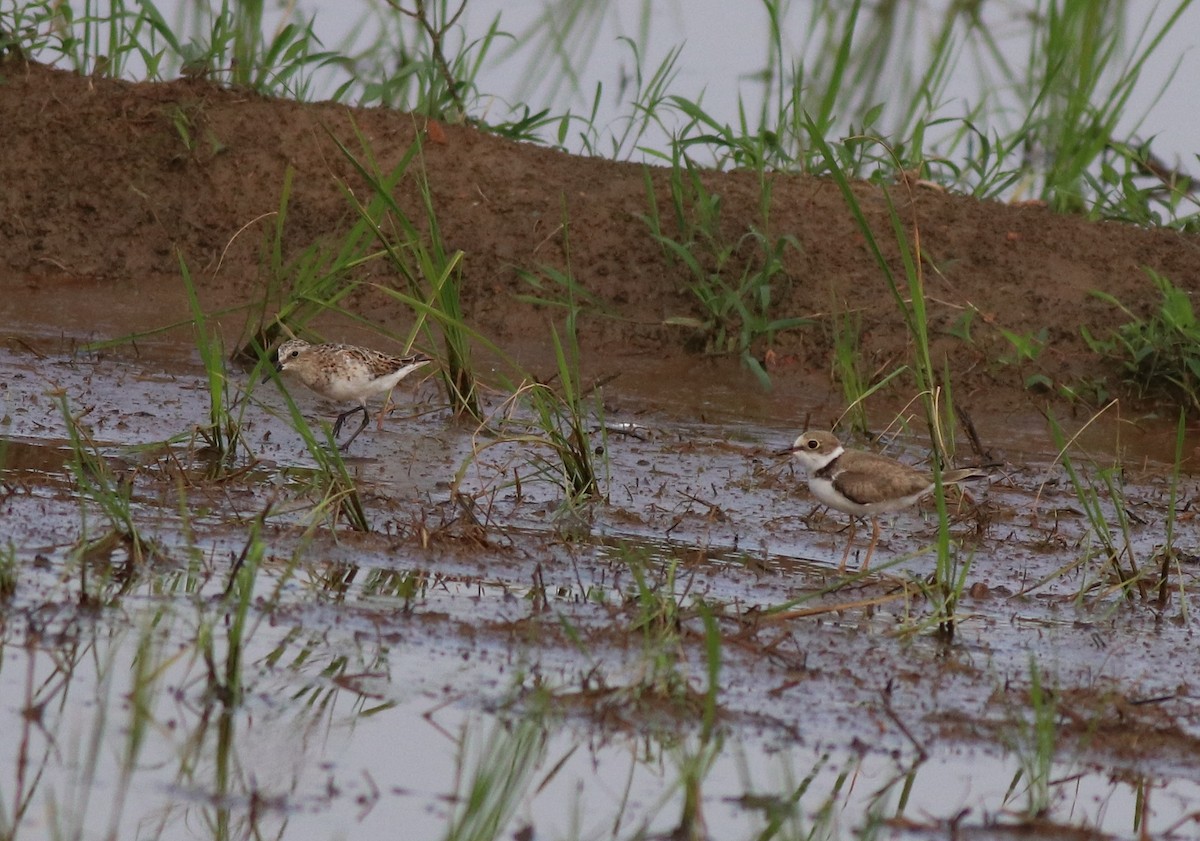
(191, 651)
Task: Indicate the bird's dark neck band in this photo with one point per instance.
(830, 469)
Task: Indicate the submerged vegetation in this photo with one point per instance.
(466, 637)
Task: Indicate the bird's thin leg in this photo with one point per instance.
(874, 540)
(366, 419)
(849, 543)
(341, 419)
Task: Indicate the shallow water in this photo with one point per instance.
(137, 701)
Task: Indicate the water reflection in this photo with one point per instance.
(184, 722)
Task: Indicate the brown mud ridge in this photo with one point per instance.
(103, 181)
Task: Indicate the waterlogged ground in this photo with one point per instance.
(198, 649)
(485, 656)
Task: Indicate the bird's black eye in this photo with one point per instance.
(294, 354)
(811, 443)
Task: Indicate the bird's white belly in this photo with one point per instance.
(824, 491)
(353, 387)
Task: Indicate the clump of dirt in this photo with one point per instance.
(107, 182)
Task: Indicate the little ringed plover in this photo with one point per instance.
(863, 484)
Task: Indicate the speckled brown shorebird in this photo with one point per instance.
(344, 372)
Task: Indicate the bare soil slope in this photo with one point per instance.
(101, 181)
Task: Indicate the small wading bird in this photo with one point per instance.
(863, 484)
(344, 372)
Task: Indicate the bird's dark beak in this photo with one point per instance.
(781, 453)
(277, 368)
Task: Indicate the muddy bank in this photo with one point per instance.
(106, 180)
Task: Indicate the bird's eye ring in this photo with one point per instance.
(811, 443)
(294, 354)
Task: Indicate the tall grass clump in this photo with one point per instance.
(102, 40)
(422, 60)
(563, 415)
(548, 426)
(111, 493)
(551, 418)
(562, 418)
(222, 435)
(1033, 738)
(648, 103)
(330, 484)
(1159, 355)
(1170, 557)
(1100, 492)
(855, 76)
(318, 279)
(231, 43)
(908, 292)
(432, 275)
(735, 281)
(1077, 103)
(657, 618)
